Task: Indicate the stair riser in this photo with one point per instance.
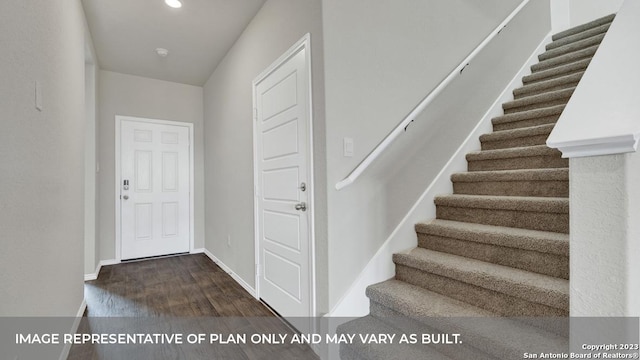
(526, 123)
(463, 351)
(556, 188)
(531, 162)
(561, 101)
(541, 263)
(543, 221)
(546, 77)
(490, 300)
(572, 47)
(524, 92)
(515, 142)
(563, 60)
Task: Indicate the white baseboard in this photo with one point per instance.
(228, 270)
(94, 276)
(380, 268)
(74, 329)
(197, 251)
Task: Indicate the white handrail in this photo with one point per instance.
(386, 142)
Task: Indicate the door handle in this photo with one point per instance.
(301, 206)
(125, 197)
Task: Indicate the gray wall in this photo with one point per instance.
(121, 94)
(91, 256)
(229, 133)
(381, 59)
(41, 158)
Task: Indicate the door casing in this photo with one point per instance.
(118, 234)
(303, 43)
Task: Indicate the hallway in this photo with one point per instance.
(185, 294)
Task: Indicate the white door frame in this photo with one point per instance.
(303, 43)
(119, 119)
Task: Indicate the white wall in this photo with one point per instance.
(381, 58)
(41, 158)
(229, 133)
(121, 94)
(582, 11)
(605, 203)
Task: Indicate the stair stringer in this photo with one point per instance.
(354, 303)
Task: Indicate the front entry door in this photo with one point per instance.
(154, 189)
(282, 181)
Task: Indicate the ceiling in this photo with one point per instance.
(126, 33)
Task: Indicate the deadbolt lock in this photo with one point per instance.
(303, 186)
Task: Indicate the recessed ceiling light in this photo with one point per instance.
(176, 4)
(162, 52)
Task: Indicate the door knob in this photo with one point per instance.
(301, 206)
(126, 197)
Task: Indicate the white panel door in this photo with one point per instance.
(282, 155)
(154, 189)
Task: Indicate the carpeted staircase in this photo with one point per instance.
(499, 246)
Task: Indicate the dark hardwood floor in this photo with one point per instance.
(187, 285)
(186, 294)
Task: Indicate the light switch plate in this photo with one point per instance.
(348, 147)
(38, 96)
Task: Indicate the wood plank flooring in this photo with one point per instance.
(185, 294)
(187, 285)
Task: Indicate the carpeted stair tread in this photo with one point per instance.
(544, 129)
(547, 183)
(578, 29)
(579, 36)
(561, 82)
(371, 325)
(501, 337)
(556, 72)
(528, 115)
(552, 182)
(521, 152)
(347, 353)
(526, 212)
(526, 285)
(415, 301)
(534, 240)
(565, 59)
(516, 203)
(513, 158)
(512, 175)
(571, 47)
(556, 97)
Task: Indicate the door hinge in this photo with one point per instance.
(257, 270)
